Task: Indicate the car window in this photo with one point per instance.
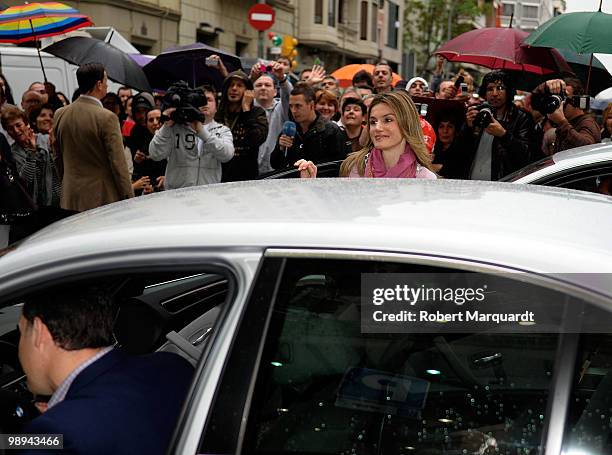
(592, 178)
(589, 423)
(150, 306)
(324, 386)
(597, 183)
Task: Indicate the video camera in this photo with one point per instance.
(547, 102)
(187, 102)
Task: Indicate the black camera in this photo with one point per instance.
(187, 102)
(546, 103)
(484, 116)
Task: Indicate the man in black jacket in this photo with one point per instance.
(317, 139)
(506, 144)
(248, 123)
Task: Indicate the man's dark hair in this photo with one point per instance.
(123, 87)
(363, 76)
(356, 102)
(576, 84)
(302, 88)
(88, 74)
(77, 317)
(305, 70)
(208, 88)
(498, 76)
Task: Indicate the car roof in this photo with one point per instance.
(525, 227)
(566, 159)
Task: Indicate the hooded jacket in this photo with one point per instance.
(249, 130)
(194, 157)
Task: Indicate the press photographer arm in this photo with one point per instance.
(162, 144)
(214, 61)
(574, 128)
(554, 87)
(217, 140)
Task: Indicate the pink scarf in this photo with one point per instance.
(406, 167)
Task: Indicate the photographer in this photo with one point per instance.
(194, 144)
(498, 136)
(574, 126)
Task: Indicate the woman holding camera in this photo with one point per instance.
(395, 147)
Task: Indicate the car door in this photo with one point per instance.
(169, 300)
(303, 377)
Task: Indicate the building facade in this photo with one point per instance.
(333, 32)
(528, 14)
(150, 25)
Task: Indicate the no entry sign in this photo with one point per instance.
(261, 16)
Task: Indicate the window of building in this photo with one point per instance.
(363, 27)
(341, 15)
(392, 25)
(318, 15)
(374, 35)
(507, 9)
(241, 48)
(331, 13)
(530, 11)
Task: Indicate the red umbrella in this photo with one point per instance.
(500, 48)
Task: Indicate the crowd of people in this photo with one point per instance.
(103, 147)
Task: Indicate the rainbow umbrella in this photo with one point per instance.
(34, 21)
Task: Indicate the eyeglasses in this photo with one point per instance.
(499, 88)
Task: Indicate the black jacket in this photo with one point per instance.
(511, 152)
(249, 130)
(324, 141)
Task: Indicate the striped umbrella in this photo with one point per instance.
(33, 21)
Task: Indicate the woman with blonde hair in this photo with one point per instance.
(395, 147)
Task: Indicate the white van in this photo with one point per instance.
(21, 67)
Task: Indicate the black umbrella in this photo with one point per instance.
(119, 66)
(188, 63)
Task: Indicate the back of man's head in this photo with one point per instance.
(301, 88)
(88, 74)
(362, 77)
(77, 318)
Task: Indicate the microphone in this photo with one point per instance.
(289, 129)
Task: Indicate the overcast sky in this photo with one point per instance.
(588, 5)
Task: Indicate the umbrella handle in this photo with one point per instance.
(38, 50)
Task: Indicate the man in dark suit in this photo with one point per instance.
(88, 138)
(103, 400)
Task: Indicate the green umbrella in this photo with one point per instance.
(582, 32)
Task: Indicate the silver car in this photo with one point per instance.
(583, 168)
(264, 287)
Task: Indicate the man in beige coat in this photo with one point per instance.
(89, 140)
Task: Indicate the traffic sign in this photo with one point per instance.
(261, 16)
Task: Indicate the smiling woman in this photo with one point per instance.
(395, 147)
(41, 119)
